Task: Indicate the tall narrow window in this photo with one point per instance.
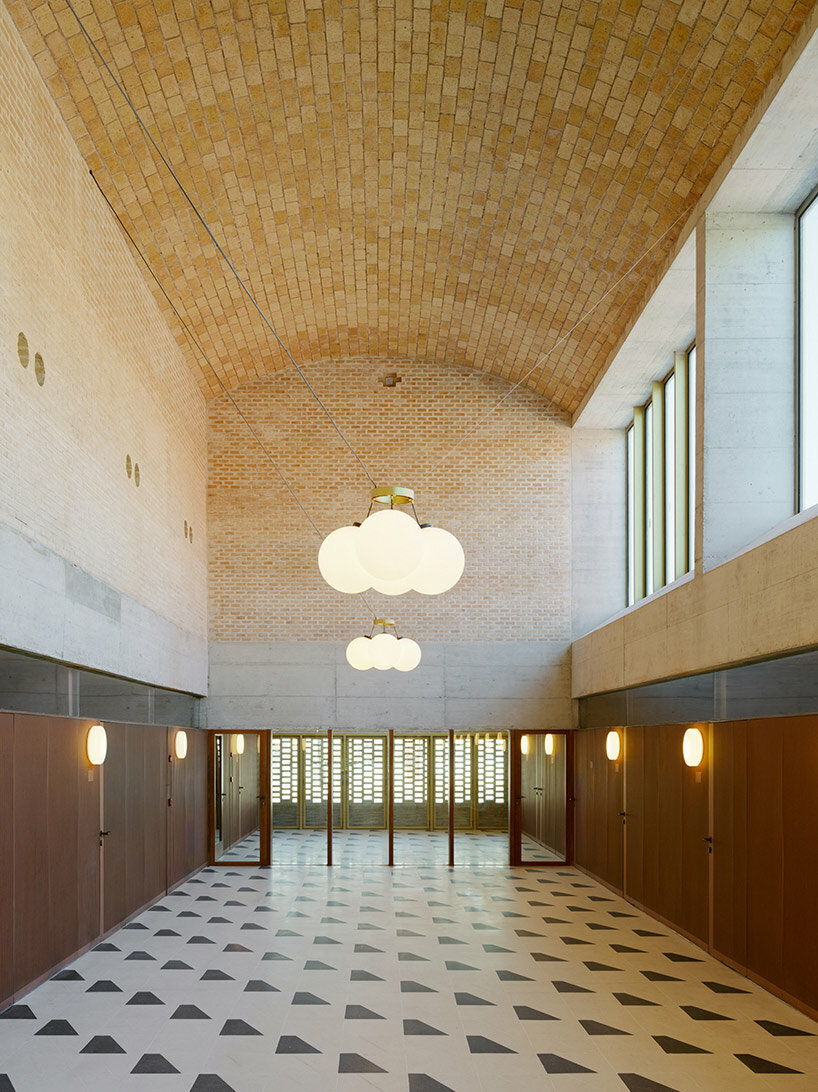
(670, 478)
(649, 513)
(691, 457)
(808, 353)
(631, 520)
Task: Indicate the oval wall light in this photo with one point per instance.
(613, 745)
(391, 551)
(549, 743)
(239, 744)
(96, 744)
(693, 747)
(524, 745)
(180, 744)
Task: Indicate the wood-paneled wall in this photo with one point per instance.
(60, 890)
(599, 789)
(753, 901)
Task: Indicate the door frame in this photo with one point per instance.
(263, 795)
(515, 797)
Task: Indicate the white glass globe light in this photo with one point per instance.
(393, 587)
(359, 653)
(693, 747)
(524, 745)
(384, 651)
(612, 745)
(549, 743)
(339, 563)
(442, 563)
(389, 545)
(180, 744)
(408, 654)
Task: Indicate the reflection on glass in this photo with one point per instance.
(808, 349)
(542, 808)
(236, 798)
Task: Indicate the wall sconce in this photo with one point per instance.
(239, 744)
(549, 743)
(524, 745)
(613, 745)
(180, 744)
(693, 747)
(96, 744)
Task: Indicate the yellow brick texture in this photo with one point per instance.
(115, 383)
(505, 493)
(455, 182)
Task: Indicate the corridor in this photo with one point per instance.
(421, 979)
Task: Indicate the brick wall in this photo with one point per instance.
(505, 493)
(115, 382)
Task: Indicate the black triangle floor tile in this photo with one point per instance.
(67, 976)
(410, 957)
(632, 999)
(675, 1046)
(169, 933)
(291, 1044)
(422, 1082)
(470, 999)
(763, 1065)
(276, 956)
(106, 946)
(625, 949)
(648, 933)
(512, 976)
(56, 1027)
(553, 1063)
(569, 987)
(238, 1027)
(317, 965)
(235, 948)
(201, 940)
(258, 985)
(525, 1012)
(695, 1013)
(635, 1082)
(479, 1044)
(781, 1029)
(104, 985)
(408, 986)
(17, 1012)
(215, 975)
(359, 1012)
(367, 949)
(7, 1086)
(189, 1012)
(593, 965)
(102, 1044)
(543, 957)
(154, 1063)
(718, 987)
(364, 976)
(417, 1027)
(356, 1063)
(176, 965)
(210, 1082)
(145, 957)
(657, 976)
(594, 1027)
(676, 957)
(304, 998)
(144, 997)
(495, 948)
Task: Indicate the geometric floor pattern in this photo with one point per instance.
(417, 979)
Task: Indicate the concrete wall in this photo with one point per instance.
(760, 604)
(465, 685)
(599, 526)
(745, 379)
(94, 568)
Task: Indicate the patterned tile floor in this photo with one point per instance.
(417, 979)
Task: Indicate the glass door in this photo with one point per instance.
(239, 798)
(541, 771)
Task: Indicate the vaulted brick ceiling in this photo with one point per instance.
(456, 182)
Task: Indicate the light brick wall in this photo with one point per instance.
(115, 383)
(505, 493)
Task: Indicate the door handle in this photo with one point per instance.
(103, 834)
(709, 841)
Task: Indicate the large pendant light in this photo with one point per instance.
(383, 650)
(391, 551)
